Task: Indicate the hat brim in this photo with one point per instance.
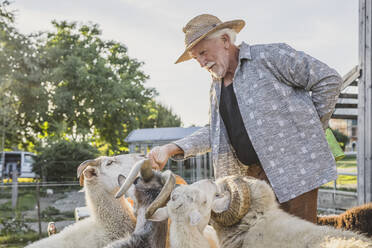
(236, 25)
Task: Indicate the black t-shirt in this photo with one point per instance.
(233, 120)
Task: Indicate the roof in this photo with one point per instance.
(159, 134)
(347, 112)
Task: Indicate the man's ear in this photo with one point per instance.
(160, 214)
(194, 217)
(226, 40)
(221, 204)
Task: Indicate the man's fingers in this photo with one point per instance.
(153, 160)
(155, 166)
(158, 157)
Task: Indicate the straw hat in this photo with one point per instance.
(201, 26)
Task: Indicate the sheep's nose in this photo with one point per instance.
(174, 197)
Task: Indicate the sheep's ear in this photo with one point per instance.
(121, 179)
(195, 217)
(160, 214)
(221, 204)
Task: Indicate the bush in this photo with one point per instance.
(49, 211)
(15, 225)
(342, 139)
(19, 239)
(59, 161)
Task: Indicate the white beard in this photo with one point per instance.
(216, 75)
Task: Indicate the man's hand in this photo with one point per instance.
(159, 155)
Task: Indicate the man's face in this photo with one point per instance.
(212, 55)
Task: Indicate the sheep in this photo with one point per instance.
(245, 213)
(189, 217)
(357, 219)
(151, 190)
(110, 218)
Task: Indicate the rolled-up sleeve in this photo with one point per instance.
(194, 144)
(298, 69)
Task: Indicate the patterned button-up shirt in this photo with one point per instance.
(284, 121)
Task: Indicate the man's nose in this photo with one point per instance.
(202, 61)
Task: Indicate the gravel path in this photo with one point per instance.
(64, 202)
(71, 201)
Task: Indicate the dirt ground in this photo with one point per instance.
(64, 202)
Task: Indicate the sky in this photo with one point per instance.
(152, 31)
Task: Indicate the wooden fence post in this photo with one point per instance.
(364, 155)
(14, 185)
(38, 204)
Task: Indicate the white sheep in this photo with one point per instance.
(189, 214)
(245, 213)
(110, 219)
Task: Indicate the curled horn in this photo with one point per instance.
(239, 202)
(82, 167)
(169, 180)
(146, 171)
(131, 177)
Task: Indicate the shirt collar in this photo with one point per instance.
(245, 51)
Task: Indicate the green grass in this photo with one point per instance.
(25, 202)
(19, 240)
(345, 182)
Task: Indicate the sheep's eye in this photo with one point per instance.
(136, 180)
(110, 162)
(205, 202)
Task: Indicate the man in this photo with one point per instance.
(263, 120)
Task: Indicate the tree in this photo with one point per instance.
(16, 56)
(95, 90)
(70, 84)
(59, 160)
(159, 115)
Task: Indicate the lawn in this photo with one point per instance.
(19, 240)
(345, 182)
(26, 201)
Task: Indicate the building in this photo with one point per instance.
(345, 116)
(191, 169)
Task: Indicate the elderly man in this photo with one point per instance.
(269, 107)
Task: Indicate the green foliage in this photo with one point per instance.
(159, 115)
(15, 225)
(19, 240)
(59, 160)
(6, 206)
(70, 84)
(49, 212)
(24, 202)
(16, 56)
(342, 139)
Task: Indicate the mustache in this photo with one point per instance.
(209, 65)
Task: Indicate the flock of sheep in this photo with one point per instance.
(234, 211)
